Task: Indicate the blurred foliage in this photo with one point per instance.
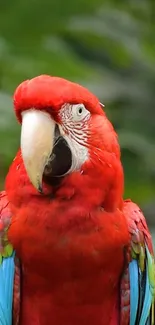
(108, 47)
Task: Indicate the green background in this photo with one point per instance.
(108, 46)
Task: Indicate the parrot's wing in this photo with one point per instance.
(138, 281)
(8, 269)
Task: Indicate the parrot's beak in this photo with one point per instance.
(37, 141)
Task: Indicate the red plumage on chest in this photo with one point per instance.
(72, 261)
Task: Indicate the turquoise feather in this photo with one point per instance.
(134, 291)
(7, 270)
(142, 290)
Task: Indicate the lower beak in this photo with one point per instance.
(37, 140)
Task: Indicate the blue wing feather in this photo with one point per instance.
(140, 296)
(7, 270)
(134, 291)
(147, 302)
(7, 266)
(138, 280)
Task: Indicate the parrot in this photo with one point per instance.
(72, 250)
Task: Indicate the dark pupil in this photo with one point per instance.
(80, 110)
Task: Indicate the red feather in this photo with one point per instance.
(47, 93)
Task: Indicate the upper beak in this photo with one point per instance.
(37, 140)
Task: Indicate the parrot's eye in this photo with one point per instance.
(79, 112)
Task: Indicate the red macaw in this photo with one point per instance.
(72, 251)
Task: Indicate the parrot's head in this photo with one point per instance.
(66, 137)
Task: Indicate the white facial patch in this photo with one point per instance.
(76, 131)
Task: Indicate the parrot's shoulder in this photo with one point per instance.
(9, 269)
(138, 280)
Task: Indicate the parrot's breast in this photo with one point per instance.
(72, 263)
